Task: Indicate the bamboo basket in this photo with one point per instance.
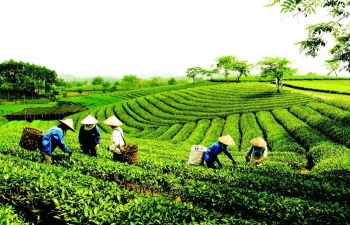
(130, 154)
(30, 138)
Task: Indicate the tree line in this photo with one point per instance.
(275, 67)
(25, 78)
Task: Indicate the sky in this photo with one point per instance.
(149, 37)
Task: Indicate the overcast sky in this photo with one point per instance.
(148, 37)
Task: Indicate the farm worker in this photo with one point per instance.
(257, 152)
(89, 136)
(211, 155)
(117, 139)
(54, 138)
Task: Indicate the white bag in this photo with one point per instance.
(196, 156)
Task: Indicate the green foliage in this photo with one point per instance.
(194, 72)
(25, 77)
(338, 27)
(227, 64)
(130, 82)
(172, 81)
(97, 81)
(162, 188)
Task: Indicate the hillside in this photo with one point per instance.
(304, 180)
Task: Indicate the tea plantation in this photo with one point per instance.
(305, 179)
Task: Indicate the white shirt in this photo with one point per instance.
(117, 137)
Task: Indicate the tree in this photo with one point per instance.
(156, 81)
(60, 82)
(275, 67)
(242, 67)
(105, 86)
(97, 81)
(194, 72)
(224, 65)
(172, 81)
(209, 73)
(27, 78)
(332, 66)
(130, 81)
(231, 64)
(338, 28)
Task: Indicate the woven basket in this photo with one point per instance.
(130, 154)
(30, 138)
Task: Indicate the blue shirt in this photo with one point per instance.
(53, 138)
(213, 151)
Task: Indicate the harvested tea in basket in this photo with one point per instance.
(129, 154)
(30, 138)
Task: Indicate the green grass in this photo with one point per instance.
(5, 109)
(334, 85)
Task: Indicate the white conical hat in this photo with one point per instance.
(227, 140)
(258, 142)
(113, 121)
(89, 120)
(68, 123)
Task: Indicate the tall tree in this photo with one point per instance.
(194, 72)
(130, 81)
(27, 77)
(338, 28)
(275, 67)
(227, 65)
(332, 66)
(97, 81)
(224, 65)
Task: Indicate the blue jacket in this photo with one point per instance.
(53, 138)
(213, 151)
(89, 138)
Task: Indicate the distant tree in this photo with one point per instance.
(332, 66)
(226, 65)
(171, 81)
(97, 81)
(311, 74)
(8, 87)
(27, 78)
(130, 81)
(80, 90)
(156, 81)
(60, 82)
(275, 67)
(207, 74)
(194, 73)
(113, 88)
(242, 67)
(105, 86)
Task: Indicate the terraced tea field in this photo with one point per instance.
(162, 188)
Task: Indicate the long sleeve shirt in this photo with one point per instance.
(89, 137)
(257, 152)
(117, 137)
(211, 155)
(53, 138)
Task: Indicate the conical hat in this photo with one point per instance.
(68, 123)
(113, 121)
(227, 140)
(258, 142)
(89, 120)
